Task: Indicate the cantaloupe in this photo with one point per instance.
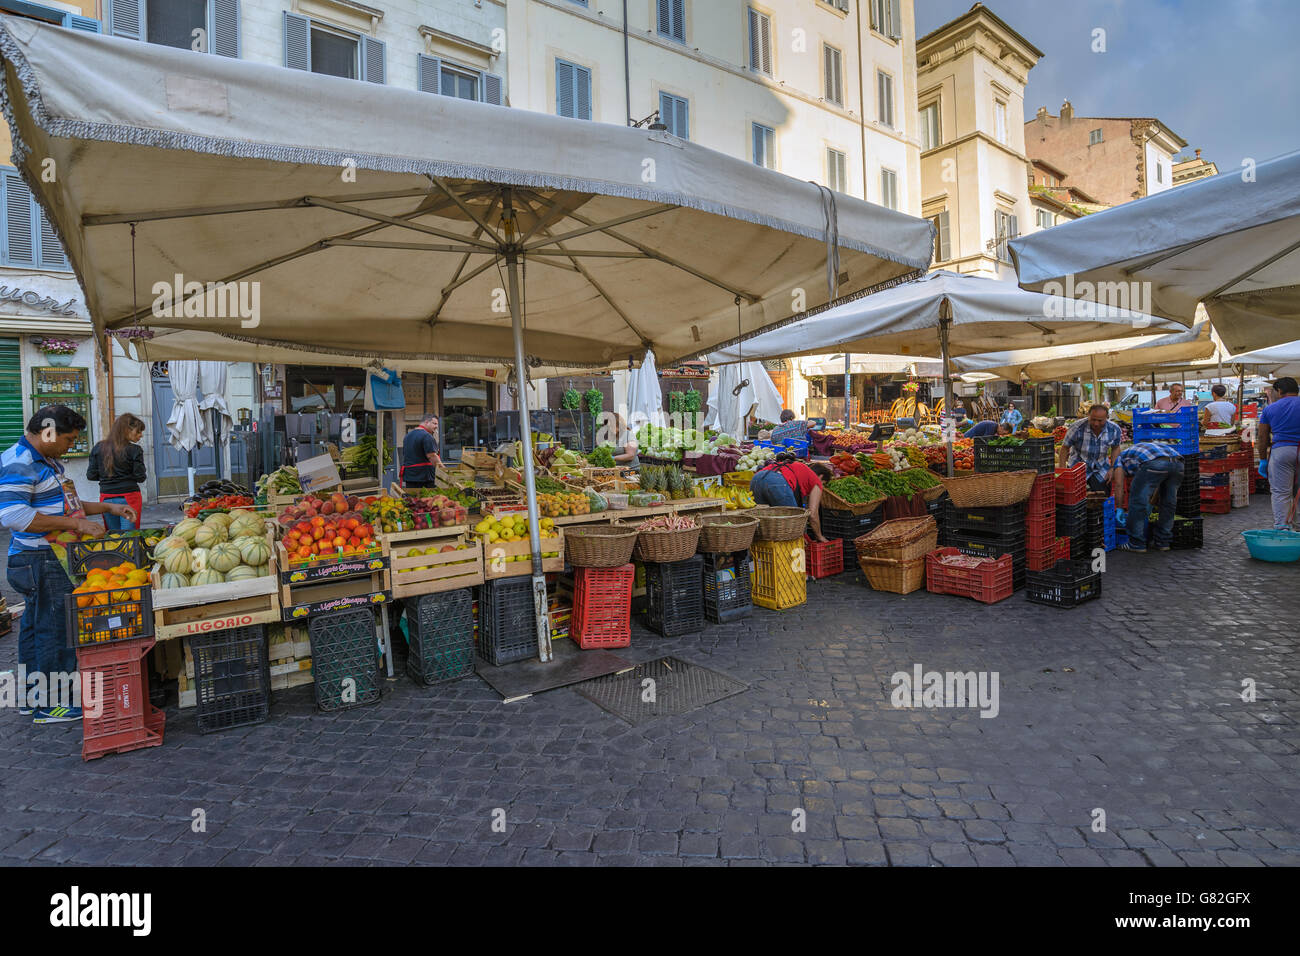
(224, 557)
(168, 544)
(254, 550)
(218, 517)
(207, 577)
(210, 534)
(174, 580)
(176, 560)
(199, 559)
(185, 529)
(246, 524)
(241, 573)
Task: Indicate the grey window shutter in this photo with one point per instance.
(582, 95)
(758, 147)
(677, 9)
(945, 237)
(493, 89)
(827, 80)
(373, 67)
(126, 19)
(755, 55)
(1013, 229)
(666, 105)
(428, 73)
(895, 20)
(682, 119)
(52, 255)
(297, 41)
(766, 23)
(564, 88)
(88, 24)
(20, 247)
(223, 15)
(665, 16)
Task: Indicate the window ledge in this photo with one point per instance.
(344, 13)
(432, 34)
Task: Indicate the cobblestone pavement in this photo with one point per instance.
(1130, 705)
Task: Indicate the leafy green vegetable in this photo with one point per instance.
(572, 399)
(853, 489)
(919, 478)
(593, 400)
(1006, 441)
(602, 457)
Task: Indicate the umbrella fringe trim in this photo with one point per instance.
(164, 139)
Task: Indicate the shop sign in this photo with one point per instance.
(37, 301)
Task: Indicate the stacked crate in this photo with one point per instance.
(845, 527)
(675, 596)
(989, 533)
(728, 587)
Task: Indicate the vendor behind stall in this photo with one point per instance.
(789, 483)
(627, 454)
(1095, 441)
(420, 459)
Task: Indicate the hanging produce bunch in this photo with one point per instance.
(593, 401)
(571, 400)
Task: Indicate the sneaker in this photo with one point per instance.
(1128, 546)
(56, 715)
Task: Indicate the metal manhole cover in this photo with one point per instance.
(678, 686)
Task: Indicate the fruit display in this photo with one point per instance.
(321, 540)
(671, 482)
(736, 498)
(514, 527)
(185, 562)
(563, 505)
(221, 503)
(388, 514)
(117, 591)
(437, 511)
(104, 586)
(850, 441)
(458, 545)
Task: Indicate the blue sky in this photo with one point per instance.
(1223, 75)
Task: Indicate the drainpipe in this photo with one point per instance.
(627, 68)
(862, 114)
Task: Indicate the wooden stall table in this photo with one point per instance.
(694, 505)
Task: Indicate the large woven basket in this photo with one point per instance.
(899, 577)
(726, 534)
(833, 501)
(991, 490)
(900, 539)
(780, 524)
(933, 494)
(600, 545)
(666, 547)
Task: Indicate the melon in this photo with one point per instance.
(209, 534)
(223, 557)
(186, 529)
(173, 580)
(264, 570)
(176, 560)
(169, 544)
(246, 524)
(237, 513)
(199, 559)
(218, 517)
(208, 577)
(242, 573)
(254, 550)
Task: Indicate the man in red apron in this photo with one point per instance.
(420, 458)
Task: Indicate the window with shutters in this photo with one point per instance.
(1006, 227)
(942, 237)
(885, 98)
(840, 5)
(437, 75)
(1043, 219)
(886, 18)
(572, 90)
(674, 112)
(764, 146)
(833, 78)
(1094, 137)
(889, 188)
(1000, 120)
(671, 15)
(931, 136)
(210, 26)
(28, 238)
(760, 42)
(837, 170)
(321, 48)
(48, 14)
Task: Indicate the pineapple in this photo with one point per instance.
(652, 478)
(676, 483)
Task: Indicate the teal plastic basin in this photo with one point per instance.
(1270, 545)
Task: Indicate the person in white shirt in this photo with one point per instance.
(1220, 413)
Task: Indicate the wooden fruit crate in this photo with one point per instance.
(313, 589)
(432, 573)
(215, 607)
(496, 555)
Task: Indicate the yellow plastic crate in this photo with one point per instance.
(780, 580)
(737, 479)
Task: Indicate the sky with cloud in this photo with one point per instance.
(1222, 74)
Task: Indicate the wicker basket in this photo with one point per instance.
(780, 524)
(726, 534)
(991, 490)
(898, 577)
(934, 494)
(900, 539)
(666, 547)
(600, 545)
(833, 501)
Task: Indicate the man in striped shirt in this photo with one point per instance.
(36, 499)
(1153, 466)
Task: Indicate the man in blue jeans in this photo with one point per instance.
(36, 499)
(1153, 467)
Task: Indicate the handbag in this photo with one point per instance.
(385, 392)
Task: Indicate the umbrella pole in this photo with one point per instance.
(848, 388)
(189, 469)
(944, 325)
(1096, 382)
(526, 438)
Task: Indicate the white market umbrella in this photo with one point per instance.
(645, 398)
(352, 216)
(1231, 242)
(212, 391)
(187, 427)
(737, 391)
(961, 314)
(878, 365)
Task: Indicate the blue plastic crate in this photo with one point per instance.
(1111, 540)
(1148, 416)
(1182, 441)
(797, 446)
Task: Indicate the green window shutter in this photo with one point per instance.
(11, 393)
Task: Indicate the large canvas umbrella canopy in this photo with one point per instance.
(1231, 242)
(875, 365)
(962, 315)
(352, 216)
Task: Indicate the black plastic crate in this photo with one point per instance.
(1035, 454)
(675, 596)
(1188, 533)
(115, 614)
(232, 678)
(937, 507)
(442, 637)
(1067, 585)
(1071, 520)
(106, 552)
(1219, 480)
(1009, 520)
(507, 621)
(728, 588)
(845, 524)
(1080, 549)
(344, 647)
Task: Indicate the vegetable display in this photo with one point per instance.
(224, 502)
(669, 523)
(853, 489)
(919, 479)
(1007, 441)
(602, 457)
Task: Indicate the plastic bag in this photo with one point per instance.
(597, 500)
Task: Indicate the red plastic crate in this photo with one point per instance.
(1042, 559)
(988, 584)
(602, 607)
(1062, 549)
(115, 676)
(824, 560)
(1071, 484)
(1215, 494)
(1042, 498)
(1040, 530)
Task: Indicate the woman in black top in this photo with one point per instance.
(117, 463)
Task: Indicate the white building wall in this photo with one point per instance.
(1155, 155)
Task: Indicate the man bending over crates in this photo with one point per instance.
(37, 500)
(1095, 441)
(1156, 470)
